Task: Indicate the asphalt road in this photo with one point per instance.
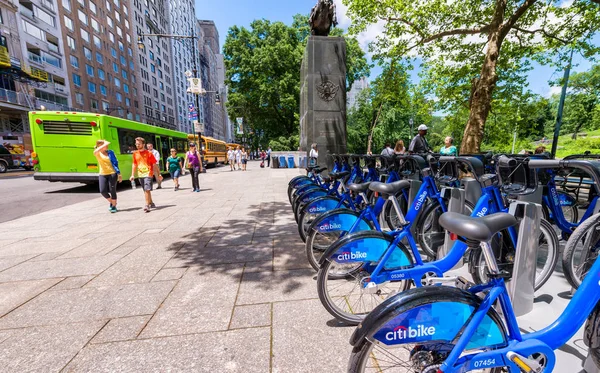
(21, 196)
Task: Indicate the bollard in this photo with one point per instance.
(472, 189)
(521, 287)
(456, 203)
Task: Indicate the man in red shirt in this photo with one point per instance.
(144, 167)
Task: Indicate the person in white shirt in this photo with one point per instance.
(231, 159)
(156, 155)
(313, 155)
(238, 158)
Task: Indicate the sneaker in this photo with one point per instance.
(152, 205)
(159, 187)
(113, 209)
(146, 208)
(110, 207)
(175, 189)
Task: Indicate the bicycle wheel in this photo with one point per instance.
(319, 240)
(345, 297)
(547, 256)
(312, 210)
(581, 250)
(297, 184)
(373, 352)
(430, 235)
(570, 211)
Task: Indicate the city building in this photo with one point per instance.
(227, 125)
(209, 51)
(154, 57)
(98, 45)
(183, 22)
(357, 87)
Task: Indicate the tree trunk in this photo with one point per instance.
(370, 140)
(483, 87)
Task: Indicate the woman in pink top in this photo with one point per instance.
(193, 163)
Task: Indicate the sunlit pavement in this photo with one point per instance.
(215, 281)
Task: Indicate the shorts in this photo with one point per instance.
(244, 161)
(175, 174)
(146, 183)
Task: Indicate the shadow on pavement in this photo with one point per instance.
(254, 240)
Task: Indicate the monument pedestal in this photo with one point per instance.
(323, 97)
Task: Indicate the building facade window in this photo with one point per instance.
(68, 23)
(97, 42)
(76, 80)
(101, 74)
(94, 104)
(87, 53)
(119, 97)
(99, 58)
(82, 17)
(74, 61)
(115, 67)
(92, 7)
(117, 83)
(91, 87)
(85, 35)
(79, 98)
(89, 70)
(66, 4)
(103, 90)
(71, 43)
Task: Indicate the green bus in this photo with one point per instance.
(63, 144)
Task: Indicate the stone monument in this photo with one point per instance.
(323, 87)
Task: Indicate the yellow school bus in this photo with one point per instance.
(214, 151)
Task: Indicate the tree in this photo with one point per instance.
(263, 73)
(583, 106)
(470, 40)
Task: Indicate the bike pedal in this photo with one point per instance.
(463, 283)
(526, 365)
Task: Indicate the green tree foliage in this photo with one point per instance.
(476, 53)
(263, 73)
(283, 143)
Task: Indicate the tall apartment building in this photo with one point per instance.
(227, 125)
(357, 87)
(183, 22)
(32, 65)
(155, 84)
(209, 50)
(99, 47)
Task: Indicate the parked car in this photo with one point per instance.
(9, 161)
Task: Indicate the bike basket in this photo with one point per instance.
(515, 176)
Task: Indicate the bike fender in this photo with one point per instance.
(312, 195)
(426, 314)
(297, 179)
(321, 205)
(565, 199)
(366, 247)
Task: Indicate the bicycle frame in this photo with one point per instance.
(489, 203)
(552, 201)
(542, 341)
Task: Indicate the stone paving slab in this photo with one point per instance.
(303, 329)
(278, 286)
(122, 329)
(186, 311)
(89, 304)
(242, 350)
(13, 294)
(45, 348)
(32, 270)
(11, 261)
(39, 247)
(251, 316)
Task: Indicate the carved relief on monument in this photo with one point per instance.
(327, 90)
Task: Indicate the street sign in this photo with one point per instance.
(199, 127)
(195, 86)
(193, 114)
(240, 125)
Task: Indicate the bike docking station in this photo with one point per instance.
(456, 203)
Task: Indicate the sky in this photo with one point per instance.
(228, 13)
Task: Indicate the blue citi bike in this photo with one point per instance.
(379, 265)
(331, 226)
(440, 329)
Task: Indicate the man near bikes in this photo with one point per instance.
(419, 144)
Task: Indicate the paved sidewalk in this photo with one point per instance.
(214, 281)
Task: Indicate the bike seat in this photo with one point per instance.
(359, 188)
(338, 175)
(316, 170)
(389, 189)
(476, 229)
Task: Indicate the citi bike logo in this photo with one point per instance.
(555, 197)
(401, 332)
(330, 226)
(347, 255)
(316, 209)
(420, 200)
(482, 213)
